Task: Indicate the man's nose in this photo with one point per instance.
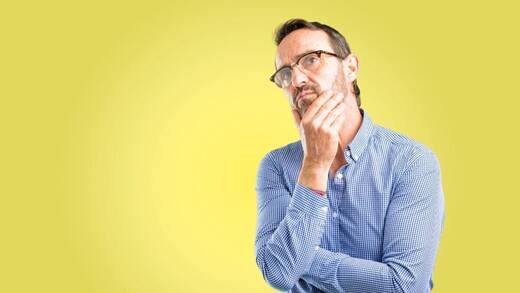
(298, 78)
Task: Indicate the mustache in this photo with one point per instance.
(311, 87)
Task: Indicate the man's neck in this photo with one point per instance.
(347, 133)
(350, 127)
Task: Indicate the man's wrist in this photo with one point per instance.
(313, 177)
(319, 192)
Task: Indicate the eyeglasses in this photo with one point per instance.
(309, 62)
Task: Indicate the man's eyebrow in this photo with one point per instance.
(294, 59)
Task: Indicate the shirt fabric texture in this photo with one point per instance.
(377, 229)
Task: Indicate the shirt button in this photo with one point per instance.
(334, 214)
(339, 176)
(317, 247)
(324, 209)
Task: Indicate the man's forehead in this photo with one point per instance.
(301, 41)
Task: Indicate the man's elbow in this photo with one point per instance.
(275, 273)
(408, 281)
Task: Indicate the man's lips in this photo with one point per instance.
(303, 94)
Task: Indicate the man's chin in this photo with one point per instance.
(305, 102)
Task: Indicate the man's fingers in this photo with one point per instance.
(333, 115)
(327, 108)
(316, 104)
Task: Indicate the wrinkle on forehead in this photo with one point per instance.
(298, 42)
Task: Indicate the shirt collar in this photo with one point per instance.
(360, 141)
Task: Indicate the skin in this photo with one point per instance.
(328, 118)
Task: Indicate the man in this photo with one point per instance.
(352, 206)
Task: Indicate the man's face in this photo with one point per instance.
(332, 73)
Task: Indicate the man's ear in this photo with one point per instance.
(351, 67)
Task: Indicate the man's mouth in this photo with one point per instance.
(303, 94)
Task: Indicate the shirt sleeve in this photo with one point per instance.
(413, 226)
(289, 226)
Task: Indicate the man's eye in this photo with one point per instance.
(311, 60)
(285, 74)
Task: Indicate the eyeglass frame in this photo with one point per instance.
(319, 52)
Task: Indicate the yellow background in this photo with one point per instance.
(131, 134)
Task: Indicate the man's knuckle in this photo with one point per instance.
(323, 129)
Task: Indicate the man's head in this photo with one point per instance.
(331, 67)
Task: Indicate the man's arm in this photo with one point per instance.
(289, 228)
(412, 231)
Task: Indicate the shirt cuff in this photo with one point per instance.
(307, 201)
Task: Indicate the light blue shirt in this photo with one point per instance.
(376, 230)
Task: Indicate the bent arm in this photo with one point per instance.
(289, 227)
(412, 231)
